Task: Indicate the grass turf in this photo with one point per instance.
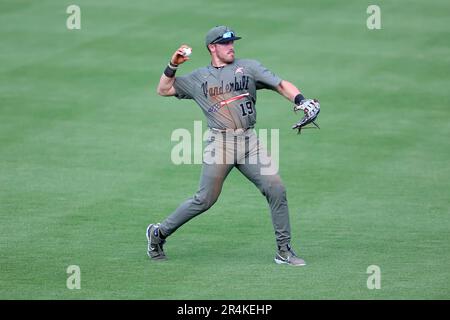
(85, 152)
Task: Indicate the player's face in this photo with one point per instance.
(225, 51)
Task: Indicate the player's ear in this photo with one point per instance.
(211, 48)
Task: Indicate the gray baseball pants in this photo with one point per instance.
(223, 152)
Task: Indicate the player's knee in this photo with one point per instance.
(274, 189)
(205, 201)
(278, 190)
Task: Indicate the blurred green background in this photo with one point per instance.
(85, 152)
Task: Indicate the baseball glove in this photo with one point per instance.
(311, 109)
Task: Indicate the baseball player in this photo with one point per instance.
(226, 90)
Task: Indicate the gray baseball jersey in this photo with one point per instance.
(227, 95)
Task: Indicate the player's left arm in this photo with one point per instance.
(310, 107)
(265, 79)
(293, 94)
(288, 90)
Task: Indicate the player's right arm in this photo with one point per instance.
(165, 87)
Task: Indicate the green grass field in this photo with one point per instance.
(85, 152)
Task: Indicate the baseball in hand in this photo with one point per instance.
(187, 52)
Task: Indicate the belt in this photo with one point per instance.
(232, 131)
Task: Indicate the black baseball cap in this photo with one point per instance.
(220, 34)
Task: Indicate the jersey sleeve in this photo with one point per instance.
(184, 86)
(264, 78)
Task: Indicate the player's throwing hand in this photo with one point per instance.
(180, 56)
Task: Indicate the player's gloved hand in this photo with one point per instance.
(308, 106)
(178, 57)
(311, 109)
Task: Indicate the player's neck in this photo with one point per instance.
(217, 63)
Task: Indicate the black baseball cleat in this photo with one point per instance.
(285, 255)
(155, 243)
